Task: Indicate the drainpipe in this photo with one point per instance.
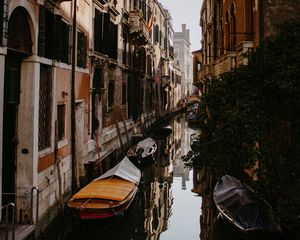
(73, 122)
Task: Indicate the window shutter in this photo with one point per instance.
(49, 34)
(97, 30)
(65, 42)
(57, 48)
(42, 31)
(81, 49)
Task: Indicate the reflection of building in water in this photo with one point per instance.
(157, 211)
(157, 192)
(179, 169)
(176, 137)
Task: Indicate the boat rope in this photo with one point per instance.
(94, 193)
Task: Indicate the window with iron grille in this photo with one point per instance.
(61, 121)
(3, 22)
(111, 93)
(45, 106)
(81, 49)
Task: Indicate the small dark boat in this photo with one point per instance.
(142, 151)
(109, 195)
(195, 141)
(161, 132)
(238, 205)
(192, 117)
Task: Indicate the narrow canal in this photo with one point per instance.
(165, 207)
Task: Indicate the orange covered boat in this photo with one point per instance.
(109, 195)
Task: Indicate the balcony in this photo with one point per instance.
(226, 63)
(243, 49)
(207, 71)
(137, 28)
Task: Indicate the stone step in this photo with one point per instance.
(21, 232)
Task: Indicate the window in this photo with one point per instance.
(233, 27)
(46, 33)
(105, 34)
(45, 103)
(81, 49)
(3, 21)
(65, 46)
(61, 114)
(156, 36)
(125, 39)
(111, 93)
(228, 30)
(124, 93)
(198, 66)
(54, 36)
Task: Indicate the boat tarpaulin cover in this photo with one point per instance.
(240, 204)
(231, 193)
(148, 145)
(125, 170)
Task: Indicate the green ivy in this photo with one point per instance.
(253, 113)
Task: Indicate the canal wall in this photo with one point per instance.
(115, 142)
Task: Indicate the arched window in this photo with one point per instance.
(250, 19)
(233, 27)
(228, 30)
(221, 43)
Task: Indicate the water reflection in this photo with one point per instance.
(164, 208)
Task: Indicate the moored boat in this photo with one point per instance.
(108, 195)
(142, 151)
(161, 132)
(240, 207)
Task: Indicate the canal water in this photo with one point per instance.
(165, 208)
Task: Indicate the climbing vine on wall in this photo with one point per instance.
(253, 113)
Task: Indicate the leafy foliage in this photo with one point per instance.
(253, 114)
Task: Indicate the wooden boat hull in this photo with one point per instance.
(109, 195)
(104, 212)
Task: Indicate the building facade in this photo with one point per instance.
(231, 29)
(77, 82)
(197, 65)
(183, 57)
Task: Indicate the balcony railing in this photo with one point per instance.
(207, 71)
(226, 63)
(137, 27)
(242, 50)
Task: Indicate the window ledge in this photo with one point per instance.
(62, 143)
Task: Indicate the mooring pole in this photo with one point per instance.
(73, 122)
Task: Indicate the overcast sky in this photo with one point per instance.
(186, 11)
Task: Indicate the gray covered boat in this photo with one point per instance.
(239, 206)
(142, 150)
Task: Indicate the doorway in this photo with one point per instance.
(10, 138)
(19, 46)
